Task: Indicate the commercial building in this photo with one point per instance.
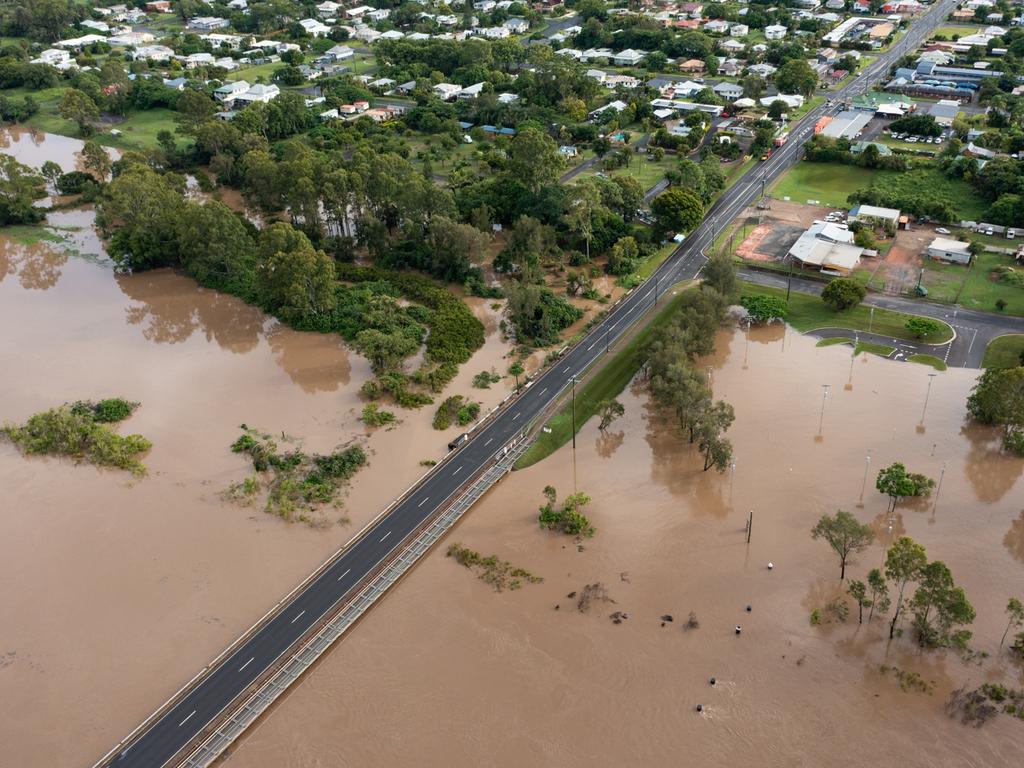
(827, 246)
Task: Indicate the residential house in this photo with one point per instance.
(358, 11)
(764, 69)
(96, 26)
(732, 46)
(328, 9)
(153, 53)
(176, 83)
(945, 111)
(80, 42)
(471, 91)
(568, 150)
(377, 14)
(739, 30)
(716, 27)
(227, 92)
(392, 34)
(208, 23)
(517, 26)
(340, 53)
(728, 91)
(314, 28)
(629, 57)
(56, 58)
(447, 91)
(508, 98)
(946, 249)
(775, 32)
(692, 67)
(496, 33)
(239, 5)
(160, 6)
(263, 94)
(130, 39)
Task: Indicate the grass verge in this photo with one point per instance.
(1004, 351)
(808, 313)
(605, 384)
(931, 360)
(833, 342)
(882, 350)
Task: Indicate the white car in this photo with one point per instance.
(912, 140)
(941, 231)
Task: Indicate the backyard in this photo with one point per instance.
(976, 287)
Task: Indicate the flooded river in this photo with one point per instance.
(119, 590)
(447, 672)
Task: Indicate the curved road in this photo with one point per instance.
(213, 693)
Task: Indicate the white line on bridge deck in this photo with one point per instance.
(489, 439)
(346, 573)
(187, 718)
(545, 388)
(425, 500)
(515, 417)
(246, 664)
(385, 535)
(456, 471)
(299, 616)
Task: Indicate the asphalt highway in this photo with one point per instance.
(216, 691)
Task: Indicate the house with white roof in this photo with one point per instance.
(128, 39)
(80, 42)
(358, 11)
(447, 91)
(56, 58)
(314, 28)
(775, 32)
(471, 91)
(263, 94)
(227, 92)
(392, 34)
(96, 26)
(827, 246)
(153, 53)
(629, 57)
(208, 23)
(732, 46)
(340, 52)
(739, 30)
(328, 9)
(517, 26)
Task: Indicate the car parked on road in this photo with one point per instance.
(941, 231)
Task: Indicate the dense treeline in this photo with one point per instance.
(676, 383)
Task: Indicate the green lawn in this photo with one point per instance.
(250, 74)
(931, 360)
(1005, 351)
(830, 184)
(834, 342)
(974, 287)
(140, 130)
(949, 31)
(807, 313)
(882, 350)
(827, 183)
(605, 384)
(647, 171)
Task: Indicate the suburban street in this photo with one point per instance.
(214, 692)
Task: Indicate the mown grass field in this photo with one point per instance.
(808, 313)
(1004, 352)
(605, 384)
(831, 184)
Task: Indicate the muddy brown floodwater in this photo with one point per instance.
(116, 590)
(447, 672)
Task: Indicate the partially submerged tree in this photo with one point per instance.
(939, 605)
(609, 411)
(896, 483)
(904, 563)
(858, 590)
(879, 593)
(998, 399)
(1015, 611)
(845, 534)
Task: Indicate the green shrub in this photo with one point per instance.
(484, 379)
(455, 409)
(73, 431)
(374, 416)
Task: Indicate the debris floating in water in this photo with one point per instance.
(738, 630)
(771, 565)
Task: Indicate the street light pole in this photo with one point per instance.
(864, 482)
(789, 278)
(927, 394)
(871, 320)
(824, 397)
(573, 380)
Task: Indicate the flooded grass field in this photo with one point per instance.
(448, 672)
